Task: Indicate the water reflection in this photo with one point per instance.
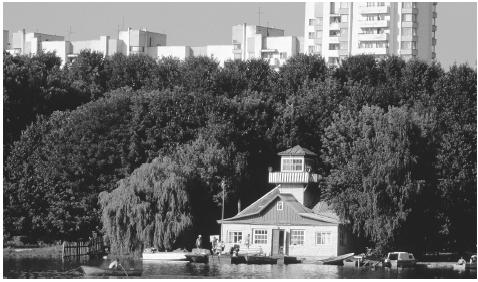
(43, 268)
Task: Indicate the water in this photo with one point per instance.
(47, 268)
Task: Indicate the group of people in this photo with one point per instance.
(462, 261)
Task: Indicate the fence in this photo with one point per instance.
(83, 250)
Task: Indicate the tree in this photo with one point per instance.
(376, 171)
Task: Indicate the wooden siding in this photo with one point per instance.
(293, 177)
(271, 216)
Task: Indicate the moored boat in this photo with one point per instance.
(200, 258)
(336, 260)
(400, 259)
(153, 254)
(258, 259)
(97, 271)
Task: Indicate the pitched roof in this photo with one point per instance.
(324, 214)
(297, 151)
(323, 210)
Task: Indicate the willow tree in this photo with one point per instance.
(166, 202)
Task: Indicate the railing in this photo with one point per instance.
(83, 249)
(293, 177)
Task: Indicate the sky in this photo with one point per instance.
(197, 23)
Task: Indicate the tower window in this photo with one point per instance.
(292, 164)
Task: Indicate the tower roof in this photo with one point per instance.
(297, 151)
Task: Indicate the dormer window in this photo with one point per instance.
(292, 164)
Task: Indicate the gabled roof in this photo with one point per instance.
(297, 151)
(326, 214)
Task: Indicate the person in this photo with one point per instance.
(461, 261)
(248, 240)
(214, 245)
(473, 259)
(199, 242)
(114, 264)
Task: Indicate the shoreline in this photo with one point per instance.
(52, 252)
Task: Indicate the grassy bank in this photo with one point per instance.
(52, 252)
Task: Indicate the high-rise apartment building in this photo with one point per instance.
(336, 30)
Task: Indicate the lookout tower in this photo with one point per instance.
(297, 175)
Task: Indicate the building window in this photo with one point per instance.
(236, 46)
(280, 205)
(334, 46)
(237, 56)
(297, 237)
(408, 18)
(406, 45)
(380, 4)
(344, 5)
(407, 5)
(235, 236)
(332, 8)
(370, 18)
(311, 22)
(260, 236)
(322, 238)
(334, 33)
(312, 49)
(344, 18)
(291, 164)
(283, 55)
(370, 4)
(311, 35)
(343, 45)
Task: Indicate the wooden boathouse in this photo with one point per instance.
(290, 219)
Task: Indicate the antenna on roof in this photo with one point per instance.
(69, 32)
(259, 14)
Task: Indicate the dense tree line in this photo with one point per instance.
(137, 148)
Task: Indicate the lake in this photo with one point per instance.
(48, 268)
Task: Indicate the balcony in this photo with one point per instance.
(374, 51)
(373, 37)
(434, 14)
(409, 11)
(434, 28)
(293, 177)
(409, 38)
(409, 52)
(383, 23)
(374, 10)
(434, 41)
(334, 26)
(334, 39)
(409, 24)
(334, 53)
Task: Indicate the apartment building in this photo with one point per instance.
(336, 30)
(252, 41)
(29, 43)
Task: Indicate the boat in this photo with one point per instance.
(238, 259)
(153, 254)
(400, 259)
(97, 271)
(351, 262)
(258, 259)
(336, 260)
(291, 260)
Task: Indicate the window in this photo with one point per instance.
(311, 49)
(311, 35)
(280, 205)
(322, 238)
(235, 236)
(260, 236)
(408, 18)
(237, 46)
(406, 45)
(370, 18)
(283, 55)
(292, 164)
(343, 45)
(370, 4)
(334, 33)
(297, 237)
(380, 4)
(381, 45)
(344, 18)
(311, 22)
(334, 46)
(380, 17)
(332, 8)
(344, 5)
(237, 56)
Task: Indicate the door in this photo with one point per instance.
(277, 242)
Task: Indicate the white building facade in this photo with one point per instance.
(336, 30)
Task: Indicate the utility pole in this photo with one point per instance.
(223, 185)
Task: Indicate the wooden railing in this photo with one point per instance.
(293, 177)
(83, 249)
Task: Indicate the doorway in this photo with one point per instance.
(278, 242)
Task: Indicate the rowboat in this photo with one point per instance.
(97, 271)
(256, 259)
(336, 260)
(200, 258)
(152, 254)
